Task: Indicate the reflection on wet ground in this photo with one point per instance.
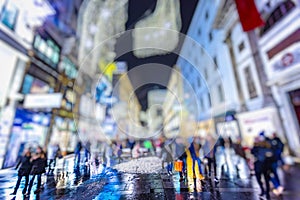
(90, 181)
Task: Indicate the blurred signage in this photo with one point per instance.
(70, 96)
(43, 100)
(121, 68)
(287, 60)
(47, 50)
(68, 67)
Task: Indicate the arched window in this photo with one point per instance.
(278, 13)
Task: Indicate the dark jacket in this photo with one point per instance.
(38, 166)
(24, 166)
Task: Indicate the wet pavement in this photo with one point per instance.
(89, 181)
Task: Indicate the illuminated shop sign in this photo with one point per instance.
(47, 50)
(9, 15)
(43, 100)
(287, 60)
(68, 67)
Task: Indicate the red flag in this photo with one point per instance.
(249, 15)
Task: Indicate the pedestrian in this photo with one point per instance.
(107, 154)
(148, 145)
(277, 148)
(39, 163)
(117, 147)
(24, 166)
(193, 165)
(167, 157)
(87, 149)
(53, 153)
(178, 151)
(240, 154)
(135, 153)
(261, 150)
(77, 153)
(209, 154)
(219, 161)
(130, 143)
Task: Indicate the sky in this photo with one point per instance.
(136, 12)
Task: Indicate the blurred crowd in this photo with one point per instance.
(194, 159)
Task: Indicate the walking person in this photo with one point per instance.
(240, 155)
(24, 166)
(39, 163)
(219, 160)
(77, 153)
(53, 153)
(277, 148)
(178, 151)
(87, 150)
(261, 151)
(208, 150)
(193, 165)
(167, 157)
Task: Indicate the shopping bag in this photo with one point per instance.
(178, 165)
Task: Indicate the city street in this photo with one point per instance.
(150, 99)
(90, 182)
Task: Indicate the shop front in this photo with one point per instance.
(226, 125)
(64, 134)
(11, 75)
(207, 127)
(29, 130)
(281, 55)
(254, 122)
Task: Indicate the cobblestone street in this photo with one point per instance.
(91, 182)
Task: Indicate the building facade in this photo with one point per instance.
(208, 72)
(259, 110)
(280, 54)
(39, 75)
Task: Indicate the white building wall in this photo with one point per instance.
(287, 79)
(212, 42)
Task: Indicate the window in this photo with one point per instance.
(210, 36)
(215, 63)
(209, 100)
(221, 93)
(206, 15)
(279, 12)
(199, 82)
(205, 74)
(241, 46)
(250, 83)
(199, 32)
(201, 104)
(9, 15)
(28, 80)
(68, 67)
(47, 50)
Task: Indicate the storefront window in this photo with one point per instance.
(39, 87)
(250, 83)
(28, 80)
(282, 10)
(9, 15)
(295, 100)
(47, 50)
(69, 68)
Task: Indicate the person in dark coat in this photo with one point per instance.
(39, 164)
(24, 165)
(77, 153)
(277, 148)
(261, 151)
